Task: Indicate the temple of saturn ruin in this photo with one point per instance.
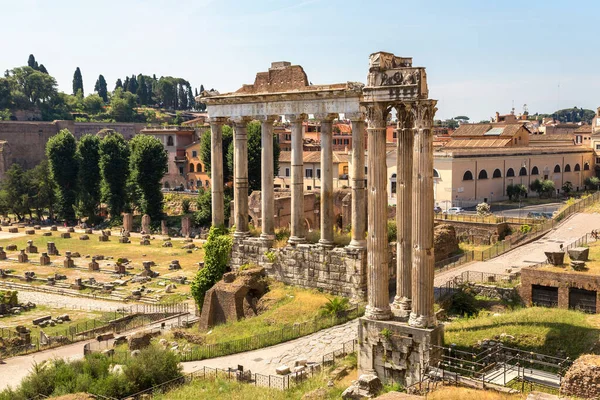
(396, 340)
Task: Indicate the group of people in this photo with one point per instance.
(595, 233)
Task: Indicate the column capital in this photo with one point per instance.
(326, 117)
(296, 117)
(405, 115)
(377, 115)
(241, 122)
(423, 112)
(356, 117)
(217, 120)
(266, 118)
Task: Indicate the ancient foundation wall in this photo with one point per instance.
(340, 271)
(562, 280)
(476, 232)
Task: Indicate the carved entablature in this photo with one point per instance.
(393, 78)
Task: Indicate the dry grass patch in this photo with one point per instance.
(458, 393)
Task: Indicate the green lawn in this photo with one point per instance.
(537, 329)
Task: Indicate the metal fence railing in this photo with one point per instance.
(454, 284)
(487, 219)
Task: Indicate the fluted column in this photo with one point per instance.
(216, 170)
(422, 314)
(240, 177)
(378, 306)
(267, 197)
(359, 217)
(404, 203)
(297, 221)
(327, 217)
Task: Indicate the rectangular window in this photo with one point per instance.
(345, 170)
(309, 188)
(395, 135)
(194, 153)
(180, 170)
(597, 160)
(346, 141)
(287, 172)
(597, 146)
(308, 173)
(318, 173)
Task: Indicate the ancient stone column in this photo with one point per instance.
(297, 220)
(422, 314)
(240, 180)
(378, 306)
(404, 199)
(327, 217)
(359, 218)
(216, 170)
(267, 196)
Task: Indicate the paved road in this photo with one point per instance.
(516, 213)
(566, 233)
(265, 361)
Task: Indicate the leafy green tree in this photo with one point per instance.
(61, 151)
(93, 104)
(122, 106)
(205, 155)
(77, 81)
(17, 187)
(148, 166)
(592, 182)
(548, 187)
(101, 88)
(567, 187)
(114, 169)
(203, 215)
(515, 191)
(542, 187)
(254, 155)
(44, 197)
(88, 152)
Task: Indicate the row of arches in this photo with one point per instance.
(468, 175)
(196, 168)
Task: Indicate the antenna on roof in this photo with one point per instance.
(512, 111)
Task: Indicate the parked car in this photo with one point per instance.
(455, 210)
(437, 209)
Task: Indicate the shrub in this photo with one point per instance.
(392, 231)
(151, 367)
(185, 206)
(335, 306)
(515, 191)
(483, 209)
(217, 250)
(592, 182)
(271, 256)
(525, 228)
(567, 187)
(461, 302)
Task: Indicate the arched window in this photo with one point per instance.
(170, 141)
(557, 169)
(586, 166)
(436, 174)
(497, 173)
(535, 171)
(567, 168)
(482, 174)
(199, 183)
(199, 167)
(523, 171)
(191, 167)
(468, 176)
(510, 172)
(577, 167)
(166, 185)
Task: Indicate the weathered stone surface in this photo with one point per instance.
(65, 235)
(367, 386)
(22, 257)
(445, 242)
(555, 257)
(233, 298)
(51, 248)
(30, 247)
(145, 224)
(44, 259)
(579, 253)
(84, 237)
(582, 380)
(71, 229)
(140, 340)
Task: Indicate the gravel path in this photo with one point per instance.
(60, 301)
(566, 233)
(264, 361)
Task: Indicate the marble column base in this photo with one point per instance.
(328, 244)
(358, 244)
(422, 321)
(294, 240)
(378, 314)
(401, 308)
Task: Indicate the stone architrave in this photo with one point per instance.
(145, 224)
(185, 226)
(128, 222)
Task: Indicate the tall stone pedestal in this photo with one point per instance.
(396, 352)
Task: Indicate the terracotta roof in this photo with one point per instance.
(478, 143)
(510, 151)
(314, 157)
(568, 137)
(344, 128)
(470, 130)
(583, 129)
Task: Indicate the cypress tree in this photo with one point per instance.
(142, 90)
(31, 62)
(126, 84)
(77, 81)
(101, 89)
(119, 84)
(43, 69)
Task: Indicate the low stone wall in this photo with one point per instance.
(494, 292)
(476, 232)
(340, 271)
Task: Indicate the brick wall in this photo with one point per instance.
(563, 280)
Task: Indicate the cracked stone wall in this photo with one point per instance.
(339, 271)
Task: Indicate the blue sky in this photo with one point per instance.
(480, 55)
